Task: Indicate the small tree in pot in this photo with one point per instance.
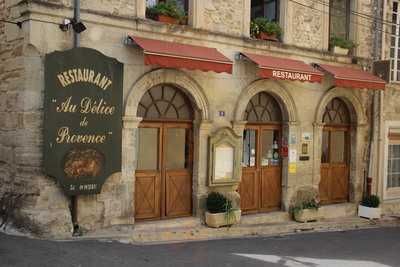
(369, 207)
(168, 12)
(305, 205)
(220, 211)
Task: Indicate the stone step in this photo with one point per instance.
(186, 222)
(245, 230)
(338, 210)
(265, 218)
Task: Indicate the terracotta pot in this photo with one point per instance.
(222, 219)
(306, 215)
(266, 36)
(166, 19)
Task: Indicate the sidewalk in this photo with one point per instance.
(192, 229)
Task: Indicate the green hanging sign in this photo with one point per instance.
(82, 119)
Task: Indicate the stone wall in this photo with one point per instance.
(126, 8)
(224, 16)
(41, 207)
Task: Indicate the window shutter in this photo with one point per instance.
(382, 69)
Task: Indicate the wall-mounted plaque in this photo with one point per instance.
(225, 153)
(82, 119)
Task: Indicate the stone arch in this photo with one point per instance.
(167, 76)
(353, 104)
(277, 90)
(357, 135)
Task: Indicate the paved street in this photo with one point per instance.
(366, 248)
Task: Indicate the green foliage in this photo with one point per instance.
(371, 201)
(218, 203)
(341, 42)
(168, 8)
(305, 198)
(262, 24)
(312, 204)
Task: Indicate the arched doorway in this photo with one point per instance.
(260, 188)
(335, 155)
(163, 185)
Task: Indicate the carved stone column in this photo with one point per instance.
(129, 158)
(200, 163)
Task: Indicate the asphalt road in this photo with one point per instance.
(362, 248)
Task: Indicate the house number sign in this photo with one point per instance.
(82, 119)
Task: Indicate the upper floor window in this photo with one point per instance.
(339, 18)
(394, 44)
(265, 8)
(184, 4)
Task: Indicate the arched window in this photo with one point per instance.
(165, 102)
(263, 108)
(336, 113)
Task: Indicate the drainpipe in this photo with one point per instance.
(74, 199)
(376, 99)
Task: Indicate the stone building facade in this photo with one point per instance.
(218, 100)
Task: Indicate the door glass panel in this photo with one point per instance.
(325, 147)
(148, 149)
(249, 148)
(177, 149)
(338, 147)
(269, 148)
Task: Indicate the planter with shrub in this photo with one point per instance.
(341, 46)
(369, 207)
(305, 204)
(262, 28)
(167, 12)
(220, 212)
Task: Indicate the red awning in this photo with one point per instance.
(353, 78)
(174, 55)
(285, 69)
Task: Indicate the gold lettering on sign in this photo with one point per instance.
(72, 76)
(96, 107)
(64, 136)
(66, 106)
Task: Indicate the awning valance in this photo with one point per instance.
(285, 69)
(174, 55)
(353, 78)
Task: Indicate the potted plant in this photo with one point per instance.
(167, 12)
(305, 205)
(340, 45)
(220, 211)
(369, 207)
(262, 28)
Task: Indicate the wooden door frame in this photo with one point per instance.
(259, 127)
(163, 125)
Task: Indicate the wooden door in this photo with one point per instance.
(163, 185)
(177, 169)
(335, 156)
(334, 184)
(260, 188)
